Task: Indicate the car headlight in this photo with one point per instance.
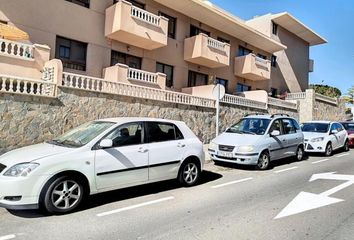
(245, 149)
(213, 146)
(319, 139)
(22, 169)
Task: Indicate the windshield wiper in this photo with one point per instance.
(234, 131)
(69, 143)
(248, 132)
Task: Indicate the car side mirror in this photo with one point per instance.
(106, 143)
(274, 133)
(334, 131)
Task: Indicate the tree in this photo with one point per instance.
(350, 95)
(326, 90)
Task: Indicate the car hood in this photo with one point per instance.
(235, 139)
(32, 153)
(310, 135)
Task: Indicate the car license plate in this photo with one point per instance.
(225, 154)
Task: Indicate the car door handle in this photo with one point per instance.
(181, 145)
(143, 150)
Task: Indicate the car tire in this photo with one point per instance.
(62, 195)
(263, 161)
(346, 146)
(189, 173)
(300, 153)
(329, 149)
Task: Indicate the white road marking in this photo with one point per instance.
(319, 161)
(286, 169)
(342, 155)
(134, 206)
(7, 237)
(233, 182)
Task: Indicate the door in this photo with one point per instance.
(126, 163)
(342, 134)
(277, 143)
(334, 137)
(166, 150)
(292, 135)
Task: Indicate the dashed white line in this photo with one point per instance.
(233, 182)
(7, 237)
(319, 161)
(134, 206)
(342, 155)
(286, 169)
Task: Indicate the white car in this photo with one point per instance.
(96, 157)
(257, 140)
(324, 137)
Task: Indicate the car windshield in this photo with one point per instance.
(348, 126)
(81, 135)
(254, 126)
(315, 127)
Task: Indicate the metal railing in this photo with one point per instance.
(16, 49)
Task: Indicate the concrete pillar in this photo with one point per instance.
(41, 54)
(307, 106)
(116, 73)
(161, 80)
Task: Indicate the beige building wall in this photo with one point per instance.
(63, 18)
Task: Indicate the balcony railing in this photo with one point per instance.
(16, 49)
(282, 103)
(241, 101)
(252, 67)
(143, 76)
(134, 26)
(206, 51)
(295, 96)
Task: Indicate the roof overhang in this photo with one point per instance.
(213, 16)
(293, 25)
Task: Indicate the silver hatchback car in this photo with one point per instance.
(258, 139)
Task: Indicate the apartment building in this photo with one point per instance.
(192, 42)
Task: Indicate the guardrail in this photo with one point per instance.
(140, 75)
(241, 101)
(16, 49)
(281, 103)
(27, 86)
(87, 83)
(213, 43)
(327, 99)
(295, 96)
(145, 16)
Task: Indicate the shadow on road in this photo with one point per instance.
(123, 194)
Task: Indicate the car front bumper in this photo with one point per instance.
(21, 192)
(244, 159)
(315, 147)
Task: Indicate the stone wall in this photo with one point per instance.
(331, 112)
(26, 120)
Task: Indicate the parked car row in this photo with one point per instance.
(116, 153)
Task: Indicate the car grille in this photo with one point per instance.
(2, 167)
(226, 148)
(226, 158)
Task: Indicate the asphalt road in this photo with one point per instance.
(229, 203)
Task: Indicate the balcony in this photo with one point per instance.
(206, 51)
(252, 67)
(134, 26)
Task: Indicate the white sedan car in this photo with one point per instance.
(96, 157)
(324, 137)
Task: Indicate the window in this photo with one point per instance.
(338, 127)
(72, 53)
(275, 126)
(84, 3)
(274, 28)
(274, 92)
(242, 51)
(127, 134)
(160, 132)
(296, 124)
(288, 126)
(250, 126)
(172, 22)
(223, 40)
(3, 22)
(262, 56)
(273, 61)
(168, 70)
(223, 82)
(242, 88)
(196, 30)
(197, 79)
(134, 3)
(123, 58)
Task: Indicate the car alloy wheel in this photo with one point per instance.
(346, 146)
(66, 194)
(299, 153)
(263, 161)
(189, 173)
(329, 149)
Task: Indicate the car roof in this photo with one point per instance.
(136, 119)
(319, 121)
(267, 116)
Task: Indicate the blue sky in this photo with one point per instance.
(333, 20)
